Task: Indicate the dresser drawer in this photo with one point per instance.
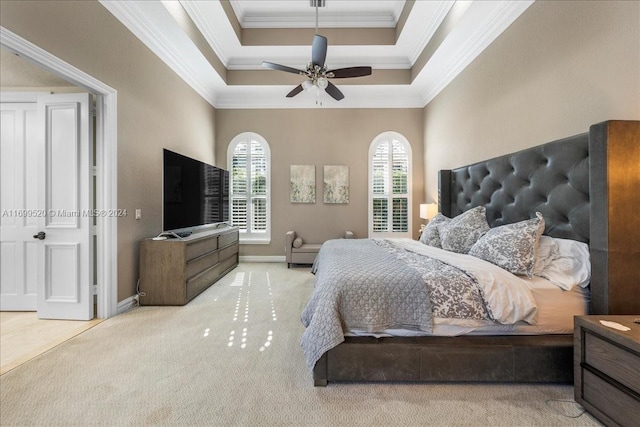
(199, 283)
(228, 263)
(616, 362)
(227, 239)
(227, 252)
(200, 264)
(201, 247)
(619, 406)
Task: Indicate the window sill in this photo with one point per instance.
(390, 235)
(250, 241)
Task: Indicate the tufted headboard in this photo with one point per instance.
(552, 179)
(585, 186)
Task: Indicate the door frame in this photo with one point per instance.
(106, 162)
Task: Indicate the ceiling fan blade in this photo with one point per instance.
(281, 68)
(342, 73)
(334, 92)
(319, 50)
(296, 90)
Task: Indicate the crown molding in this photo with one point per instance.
(199, 18)
(490, 23)
(273, 97)
(326, 20)
(341, 61)
(442, 9)
(155, 27)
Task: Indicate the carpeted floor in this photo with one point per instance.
(232, 357)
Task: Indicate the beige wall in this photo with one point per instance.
(320, 137)
(562, 66)
(156, 108)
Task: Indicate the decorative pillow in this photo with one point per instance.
(511, 246)
(459, 234)
(571, 267)
(297, 242)
(430, 234)
(546, 252)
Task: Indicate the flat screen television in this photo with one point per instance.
(195, 194)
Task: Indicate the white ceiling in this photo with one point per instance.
(463, 30)
(335, 13)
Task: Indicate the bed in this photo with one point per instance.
(585, 188)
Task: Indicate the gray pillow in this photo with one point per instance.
(459, 234)
(511, 246)
(430, 234)
(297, 242)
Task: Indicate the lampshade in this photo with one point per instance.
(307, 84)
(428, 210)
(432, 210)
(423, 210)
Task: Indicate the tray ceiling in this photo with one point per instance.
(415, 48)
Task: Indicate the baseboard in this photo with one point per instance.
(259, 258)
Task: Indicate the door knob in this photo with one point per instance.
(40, 236)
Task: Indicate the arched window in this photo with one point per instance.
(249, 163)
(390, 186)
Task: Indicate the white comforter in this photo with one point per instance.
(508, 296)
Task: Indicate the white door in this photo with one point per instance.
(18, 198)
(59, 223)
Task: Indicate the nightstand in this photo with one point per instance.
(606, 367)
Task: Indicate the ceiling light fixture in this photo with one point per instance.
(316, 72)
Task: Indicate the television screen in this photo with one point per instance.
(194, 193)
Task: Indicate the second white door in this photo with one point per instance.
(47, 222)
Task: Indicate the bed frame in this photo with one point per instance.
(586, 186)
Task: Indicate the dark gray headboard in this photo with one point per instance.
(552, 179)
(585, 186)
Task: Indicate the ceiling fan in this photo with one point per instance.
(316, 72)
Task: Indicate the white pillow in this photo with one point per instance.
(571, 267)
(545, 252)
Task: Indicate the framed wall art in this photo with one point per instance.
(336, 184)
(302, 185)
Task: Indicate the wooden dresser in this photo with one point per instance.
(174, 271)
(607, 369)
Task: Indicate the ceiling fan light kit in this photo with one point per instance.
(316, 72)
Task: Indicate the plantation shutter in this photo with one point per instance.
(239, 186)
(389, 187)
(400, 165)
(249, 164)
(258, 188)
(212, 186)
(380, 188)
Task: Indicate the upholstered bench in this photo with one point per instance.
(299, 252)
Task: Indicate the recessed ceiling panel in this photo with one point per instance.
(300, 14)
(431, 43)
